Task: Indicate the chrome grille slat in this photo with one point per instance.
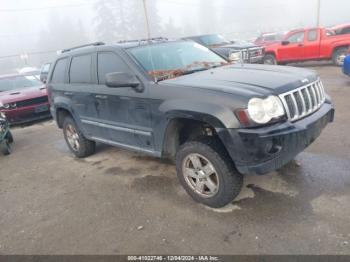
(304, 100)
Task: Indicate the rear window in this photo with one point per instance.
(108, 62)
(80, 69)
(58, 75)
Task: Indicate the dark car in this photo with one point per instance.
(23, 98)
(180, 100)
(231, 50)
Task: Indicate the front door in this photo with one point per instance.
(294, 50)
(123, 112)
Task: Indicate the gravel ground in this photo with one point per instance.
(120, 202)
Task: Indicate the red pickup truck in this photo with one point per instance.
(308, 44)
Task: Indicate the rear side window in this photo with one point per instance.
(80, 69)
(58, 75)
(312, 35)
(109, 62)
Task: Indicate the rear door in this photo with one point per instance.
(312, 44)
(295, 49)
(82, 83)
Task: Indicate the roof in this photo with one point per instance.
(120, 44)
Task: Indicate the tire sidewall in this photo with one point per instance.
(70, 121)
(337, 54)
(223, 170)
(271, 58)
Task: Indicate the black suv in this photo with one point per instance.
(179, 100)
(231, 50)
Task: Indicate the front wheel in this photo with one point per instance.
(339, 56)
(207, 173)
(269, 60)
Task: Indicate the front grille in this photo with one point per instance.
(33, 101)
(304, 100)
(254, 52)
(245, 54)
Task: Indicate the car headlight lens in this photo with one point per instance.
(6, 106)
(261, 111)
(235, 56)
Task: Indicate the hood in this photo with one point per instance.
(22, 94)
(247, 80)
(237, 45)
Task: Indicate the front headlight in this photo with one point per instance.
(261, 111)
(235, 56)
(6, 106)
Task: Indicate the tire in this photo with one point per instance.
(9, 137)
(79, 145)
(339, 55)
(269, 59)
(227, 179)
(6, 147)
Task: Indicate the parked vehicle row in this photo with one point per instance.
(180, 100)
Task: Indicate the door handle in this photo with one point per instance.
(68, 93)
(101, 96)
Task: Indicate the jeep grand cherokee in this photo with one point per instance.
(178, 99)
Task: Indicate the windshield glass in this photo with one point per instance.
(168, 60)
(212, 40)
(18, 82)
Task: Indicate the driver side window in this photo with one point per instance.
(109, 62)
(296, 37)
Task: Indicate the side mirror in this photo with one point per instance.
(121, 79)
(285, 42)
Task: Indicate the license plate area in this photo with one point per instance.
(41, 108)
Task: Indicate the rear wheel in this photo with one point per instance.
(269, 59)
(339, 56)
(77, 143)
(207, 173)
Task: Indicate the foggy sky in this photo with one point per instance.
(30, 26)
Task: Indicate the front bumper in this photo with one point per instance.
(262, 150)
(255, 60)
(26, 114)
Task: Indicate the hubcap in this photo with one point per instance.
(72, 137)
(200, 175)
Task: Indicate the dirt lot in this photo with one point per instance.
(119, 202)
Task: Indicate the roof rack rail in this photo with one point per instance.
(154, 39)
(80, 46)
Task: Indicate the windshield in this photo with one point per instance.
(168, 60)
(213, 40)
(18, 82)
